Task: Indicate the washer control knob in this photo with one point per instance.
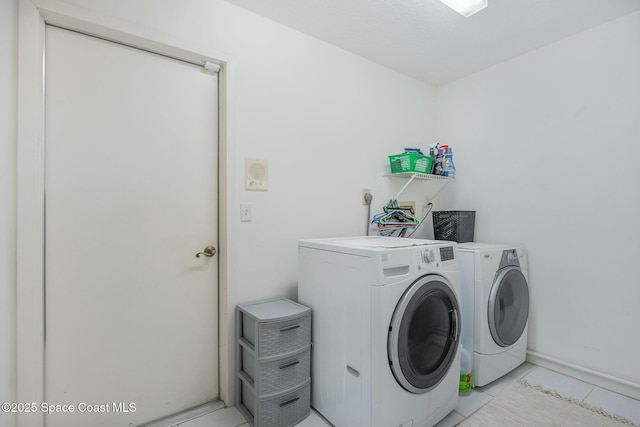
(428, 256)
(511, 257)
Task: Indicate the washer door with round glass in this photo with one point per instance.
(424, 334)
(508, 309)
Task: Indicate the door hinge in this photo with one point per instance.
(210, 66)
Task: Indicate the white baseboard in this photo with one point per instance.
(609, 382)
(187, 415)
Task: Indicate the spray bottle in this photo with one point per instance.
(466, 374)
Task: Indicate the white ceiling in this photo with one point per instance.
(430, 42)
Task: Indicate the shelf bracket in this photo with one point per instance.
(420, 176)
(405, 187)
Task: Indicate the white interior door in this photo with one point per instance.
(131, 144)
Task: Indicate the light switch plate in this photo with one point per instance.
(256, 174)
(245, 212)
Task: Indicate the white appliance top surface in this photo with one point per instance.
(375, 242)
(474, 246)
(383, 242)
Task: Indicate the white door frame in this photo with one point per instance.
(33, 15)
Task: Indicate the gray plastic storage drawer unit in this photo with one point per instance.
(273, 362)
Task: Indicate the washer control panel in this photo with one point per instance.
(509, 257)
(428, 256)
(435, 255)
(447, 253)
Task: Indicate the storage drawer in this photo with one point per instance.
(273, 376)
(284, 410)
(274, 327)
(273, 362)
(284, 337)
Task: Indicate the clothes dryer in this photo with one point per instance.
(495, 298)
(385, 330)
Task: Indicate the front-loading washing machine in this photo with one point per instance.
(495, 298)
(385, 330)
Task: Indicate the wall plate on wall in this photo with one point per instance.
(256, 174)
(408, 204)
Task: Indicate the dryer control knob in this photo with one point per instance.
(428, 256)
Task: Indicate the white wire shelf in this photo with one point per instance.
(421, 176)
(418, 175)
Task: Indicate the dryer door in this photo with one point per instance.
(508, 309)
(424, 334)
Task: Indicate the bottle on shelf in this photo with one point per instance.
(438, 168)
(449, 169)
(433, 150)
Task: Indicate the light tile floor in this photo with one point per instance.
(565, 386)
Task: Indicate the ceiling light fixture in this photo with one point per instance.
(466, 8)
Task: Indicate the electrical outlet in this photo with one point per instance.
(365, 191)
(408, 204)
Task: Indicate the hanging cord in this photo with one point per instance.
(368, 198)
(423, 218)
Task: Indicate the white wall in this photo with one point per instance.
(547, 151)
(324, 118)
(8, 103)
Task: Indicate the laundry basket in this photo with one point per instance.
(410, 162)
(456, 226)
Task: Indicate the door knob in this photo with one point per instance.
(208, 251)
